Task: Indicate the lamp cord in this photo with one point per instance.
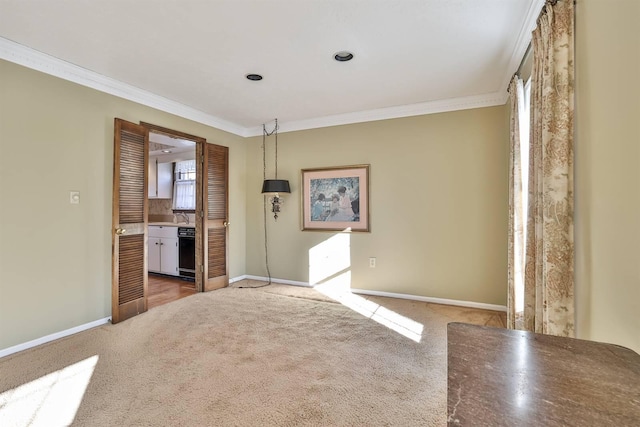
(264, 204)
(264, 199)
(266, 246)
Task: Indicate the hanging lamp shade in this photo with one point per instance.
(275, 186)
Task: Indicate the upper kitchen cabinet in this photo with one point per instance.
(160, 179)
(167, 154)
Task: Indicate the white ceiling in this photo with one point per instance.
(190, 57)
(170, 149)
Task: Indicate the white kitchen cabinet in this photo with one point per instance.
(153, 178)
(169, 256)
(160, 179)
(154, 254)
(163, 250)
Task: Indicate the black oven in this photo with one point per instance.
(187, 252)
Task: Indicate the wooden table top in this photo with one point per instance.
(501, 377)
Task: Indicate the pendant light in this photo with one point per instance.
(272, 186)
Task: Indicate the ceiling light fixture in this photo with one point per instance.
(254, 77)
(273, 186)
(343, 56)
(166, 151)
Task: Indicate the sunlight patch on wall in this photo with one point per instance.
(51, 400)
(329, 258)
(330, 274)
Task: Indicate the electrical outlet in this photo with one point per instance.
(372, 262)
(74, 197)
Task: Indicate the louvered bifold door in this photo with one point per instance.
(129, 257)
(215, 212)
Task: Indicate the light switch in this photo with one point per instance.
(74, 197)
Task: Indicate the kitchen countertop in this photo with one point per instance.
(172, 224)
(500, 377)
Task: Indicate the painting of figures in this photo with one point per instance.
(336, 198)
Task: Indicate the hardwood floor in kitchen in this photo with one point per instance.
(164, 289)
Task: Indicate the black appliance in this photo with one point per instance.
(187, 252)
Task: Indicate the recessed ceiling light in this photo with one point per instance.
(166, 151)
(343, 56)
(254, 77)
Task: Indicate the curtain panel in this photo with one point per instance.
(549, 271)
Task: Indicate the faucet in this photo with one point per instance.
(185, 216)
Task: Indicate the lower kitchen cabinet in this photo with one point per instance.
(163, 250)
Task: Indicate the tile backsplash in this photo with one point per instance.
(160, 207)
(160, 210)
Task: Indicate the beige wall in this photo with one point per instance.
(438, 204)
(55, 258)
(607, 215)
(438, 194)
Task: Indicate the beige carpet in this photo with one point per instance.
(279, 355)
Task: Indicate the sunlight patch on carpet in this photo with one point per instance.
(330, 274)
(51, 400)
(339, 289)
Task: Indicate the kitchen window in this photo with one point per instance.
(184, 189)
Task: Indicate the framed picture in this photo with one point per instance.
(336, 199)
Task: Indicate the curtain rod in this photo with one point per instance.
(522, 61)
(527, 52)
(530, 45)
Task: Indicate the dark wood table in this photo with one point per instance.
(501, 377)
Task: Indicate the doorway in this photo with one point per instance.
(165, 289)
(132, 244)
(172, 203)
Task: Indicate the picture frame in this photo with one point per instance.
(336, 199)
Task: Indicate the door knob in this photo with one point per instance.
(120, 231)
(226, 224)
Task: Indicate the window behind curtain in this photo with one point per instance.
(524, 120)
(184, 189)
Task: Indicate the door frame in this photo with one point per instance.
(199, 276)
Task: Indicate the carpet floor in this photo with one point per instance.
(274, 356)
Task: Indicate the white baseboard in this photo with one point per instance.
(52, 337)
(470, 304)
(281, 281)
(444, 301)
(237, 279)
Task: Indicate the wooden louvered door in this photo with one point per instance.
(215, 176)
(129, 235)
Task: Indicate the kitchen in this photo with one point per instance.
(171, 220)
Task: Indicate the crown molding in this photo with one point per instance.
(30, 58)
(522, 43)
(419, 109)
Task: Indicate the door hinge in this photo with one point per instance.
(202, 269)
(202, 159)
(201, 214)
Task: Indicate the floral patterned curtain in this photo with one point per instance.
(549, 278)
